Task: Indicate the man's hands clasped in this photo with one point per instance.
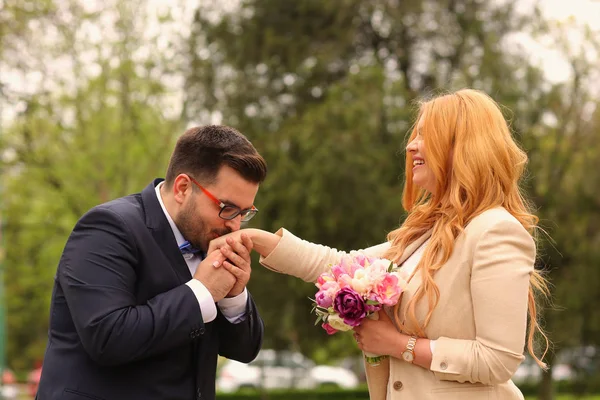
(238, 262)
(225, 271)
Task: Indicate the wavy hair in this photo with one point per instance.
(477, 166)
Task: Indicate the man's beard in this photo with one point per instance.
(195, 230)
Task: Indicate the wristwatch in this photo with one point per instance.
(409, 353)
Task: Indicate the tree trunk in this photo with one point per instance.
(546, 390)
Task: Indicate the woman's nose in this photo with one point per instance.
(412, 146)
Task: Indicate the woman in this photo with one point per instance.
(459, 329)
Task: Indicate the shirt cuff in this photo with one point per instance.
(234, 308)
(205, 300)
(432, 346)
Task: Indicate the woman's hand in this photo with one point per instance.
(381, 337)
(263, 242)
(378, 336)
(221, 241)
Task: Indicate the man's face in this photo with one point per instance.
(198, 219)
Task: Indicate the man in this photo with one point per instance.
(138, 310)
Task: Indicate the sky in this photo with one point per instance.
(586, 11)
(580, 11)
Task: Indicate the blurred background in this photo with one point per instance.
(93, 95)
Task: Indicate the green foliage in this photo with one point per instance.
(564, 388)
(65, 152)
(326, 91)
(320, 394)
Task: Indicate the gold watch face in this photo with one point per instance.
(408, 356)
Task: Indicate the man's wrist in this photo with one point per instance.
(205, 299)
(235, 294)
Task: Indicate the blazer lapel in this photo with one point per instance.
(162, 232)
(411, 248)
(416, 280)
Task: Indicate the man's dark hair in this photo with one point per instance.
(202, 151)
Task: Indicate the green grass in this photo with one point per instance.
(559, 397)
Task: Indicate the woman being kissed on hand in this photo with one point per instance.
(460, 328)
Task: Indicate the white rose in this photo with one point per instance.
(338, 323)
(361, 282)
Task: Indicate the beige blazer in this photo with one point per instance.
(479, 323)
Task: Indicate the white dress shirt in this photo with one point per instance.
(234, 308)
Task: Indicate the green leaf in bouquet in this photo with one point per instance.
(319, 320)
(391, 267)
(321, 312)
(372, 302)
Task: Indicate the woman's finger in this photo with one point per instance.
(235, 271)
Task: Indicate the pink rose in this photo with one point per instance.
(324, 278)
(323, 299)
(337, 271)
(388, 291)
(363, 260)
(328, 328)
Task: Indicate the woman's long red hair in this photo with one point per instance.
(477, 166)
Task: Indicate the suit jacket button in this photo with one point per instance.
(443, 366)
(198, 394)
(398, 385)
(201, 331)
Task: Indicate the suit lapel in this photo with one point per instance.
(162, 232)
(411, 248)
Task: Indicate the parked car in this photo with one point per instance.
(281, 370)
(8, 387)
(569, 364)
(33, 380)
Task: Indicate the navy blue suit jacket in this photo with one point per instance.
(123, 324)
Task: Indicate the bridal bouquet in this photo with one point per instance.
(354, 289)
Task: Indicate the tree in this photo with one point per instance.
(326, 91)
(77, 144)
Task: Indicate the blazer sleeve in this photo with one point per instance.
(503, 261)
(98, 278)
(241, 341)
(306, 260)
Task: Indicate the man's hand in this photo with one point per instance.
(238, 262)
(218, 281)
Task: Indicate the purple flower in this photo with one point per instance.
(350, 306)
(372, 308)
(323, 299)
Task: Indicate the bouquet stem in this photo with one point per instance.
(374, 359)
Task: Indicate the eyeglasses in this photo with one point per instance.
(228, 212)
